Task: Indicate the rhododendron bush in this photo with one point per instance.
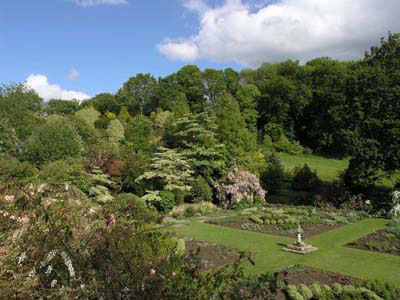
(56, 245)
(239, 186)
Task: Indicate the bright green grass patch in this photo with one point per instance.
(331, 256)
(327, 169)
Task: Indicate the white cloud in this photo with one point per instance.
(252, 32)
(87, 3)
(47, 91)
(73, 74)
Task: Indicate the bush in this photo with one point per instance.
(55, 140)
(273, 177)
(167, 202)
(13, 169)
(305, 291)
(201, 191)
(256, 220)
(305, 180)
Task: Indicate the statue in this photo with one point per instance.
(299, 246)
(299, 231)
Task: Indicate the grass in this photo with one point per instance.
(327, 169)
(331, 256)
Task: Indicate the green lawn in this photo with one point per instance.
(327, 169)
(331, 256)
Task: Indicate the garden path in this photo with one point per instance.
(331, 256)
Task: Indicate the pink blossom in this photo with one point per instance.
(9, 198)
(12, 217)
(152, 272)
(25, 219)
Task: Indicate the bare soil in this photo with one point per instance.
(212, 255)
(307, 275)
(377, 242)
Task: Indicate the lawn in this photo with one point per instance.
(327, 169)
(331, 256)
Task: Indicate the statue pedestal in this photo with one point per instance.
(300, 248)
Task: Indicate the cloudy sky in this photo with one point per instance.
(77, 48)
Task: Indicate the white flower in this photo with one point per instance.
(49, 269)
(68, 263)
(53, 283)
(21, 259)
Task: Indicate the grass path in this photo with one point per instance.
(331, 256)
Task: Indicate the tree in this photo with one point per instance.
(138, 132)
(247, 96)
(195, 137)
(55, 140)
(232, 79)
(103, 103)
(20, 105)
(169, 171)
(214, 84)
(139, 94)
(373, 98)
(232, 131)
(190, 79)
(180, 106)
(61, 107)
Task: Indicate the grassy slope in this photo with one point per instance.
(327, 169)
(331, 256)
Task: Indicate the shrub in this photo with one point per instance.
(305, 180)
(293, 293)
(305, 291)
(274, 177)
(167, 202)
(13, 169)
(189, 212)
(55, 140)
(201, 191)
(256, 220)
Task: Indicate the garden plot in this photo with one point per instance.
(382, 241)
(283, 220)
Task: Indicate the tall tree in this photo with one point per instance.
(214, 84)
(247, 96)
(139, 94)
(191, 80)
(373, 96)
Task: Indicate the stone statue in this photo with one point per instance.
(299, 231)
(299, 246)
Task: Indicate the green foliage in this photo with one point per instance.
(138, 132)
(166, 203)
(135, 165)
(138, 94)
(115, 131)
(89, 115)
(305, 180)
(103, 103)
(89, 134)
(273, 177)
(191, 81)
(201, 191)
(168, 169)
(10, 144)
(55, 140)
(247, 96)
(180, 106)
(232, 131)
(12, 169)
(61, 107)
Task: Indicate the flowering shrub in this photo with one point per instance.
(54, 246)
(239, 186)
(395, 211)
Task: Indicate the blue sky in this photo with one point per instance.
(93, 46)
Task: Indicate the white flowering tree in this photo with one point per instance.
(239, 186)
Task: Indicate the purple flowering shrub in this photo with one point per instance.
(239, 186)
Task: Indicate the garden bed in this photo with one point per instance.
(212, 255)
(380, 241)
(283, 220)
(300, 274)
(309, 230)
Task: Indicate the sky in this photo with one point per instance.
(75, 49)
